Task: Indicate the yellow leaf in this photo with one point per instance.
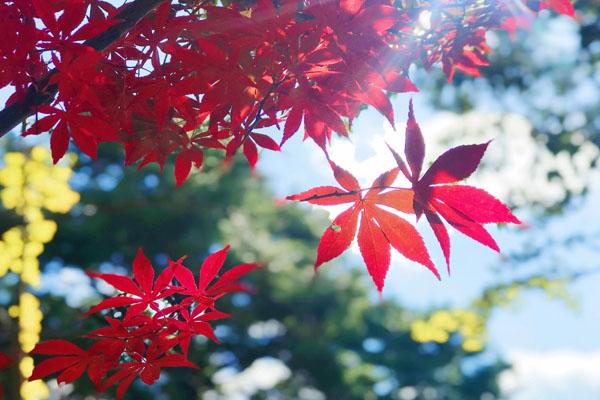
(41, 231)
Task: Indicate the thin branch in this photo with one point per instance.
(258, 116)
(351, 192)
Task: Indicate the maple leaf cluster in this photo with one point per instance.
(193, 75)
(434, 194)
(154, 320)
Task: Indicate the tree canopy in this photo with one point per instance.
(203, 81)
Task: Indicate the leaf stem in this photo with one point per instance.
(339, 194)
(258, 116)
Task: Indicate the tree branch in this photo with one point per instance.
(43, 93)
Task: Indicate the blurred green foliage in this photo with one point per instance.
(336, 340)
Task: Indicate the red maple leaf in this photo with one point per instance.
(146, 365)
(196, 323)
(141, 294)
(379, 229)
(84, 129)
(130, 327)
(183, 163)
(204, 292)
(465, 52)
(559, 6)
(73, 360)
(435, 193)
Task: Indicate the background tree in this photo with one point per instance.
(326, 331)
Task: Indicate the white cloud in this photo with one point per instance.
(68, 282)
(552, 375)
(266, 330)
(263, 374)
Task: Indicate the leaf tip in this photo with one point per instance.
(411, 113)
(515, 220)
(435, 271)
